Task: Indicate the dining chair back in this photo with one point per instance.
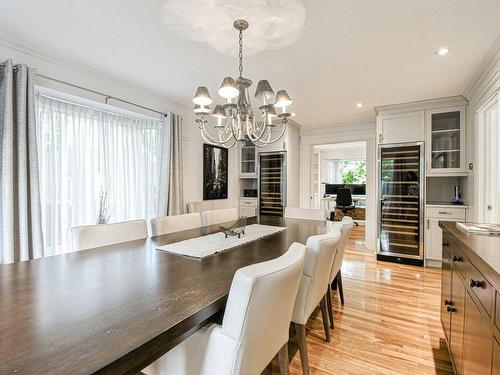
(305, 213)
(201, 206)
(176, 223)
(345, 226)
(320, 251)
(213, 217)
(91, 236)
(254, 328)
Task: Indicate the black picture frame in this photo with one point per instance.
(215, 175)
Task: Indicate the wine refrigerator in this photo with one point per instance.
(401, 208)
(272, 181)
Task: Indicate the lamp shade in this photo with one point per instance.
(219, 112)
(282, 99)
(201, 109)
(202, 96)
(228, 89)
(264, 90)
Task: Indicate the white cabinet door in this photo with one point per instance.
(401, 127)
(446, 142)
(433, 239)
(248, 211)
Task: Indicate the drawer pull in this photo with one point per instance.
(444, 213)
(446, 243)
(446, 302)
(451, 309)
(457, 258)
(475, 283)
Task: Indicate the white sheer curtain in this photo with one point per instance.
(85, 151)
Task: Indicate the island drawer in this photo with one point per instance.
(481, 288)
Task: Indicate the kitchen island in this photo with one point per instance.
(470, 300)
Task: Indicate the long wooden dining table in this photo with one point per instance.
(116, 309)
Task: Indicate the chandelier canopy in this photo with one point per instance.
(235, 120)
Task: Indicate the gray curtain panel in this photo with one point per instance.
(175, 204)
(20, 219)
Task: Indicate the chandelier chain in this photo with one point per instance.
(241, 53)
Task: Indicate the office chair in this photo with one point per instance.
(344, 201)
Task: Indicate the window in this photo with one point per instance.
(338, 171)
(86, 153)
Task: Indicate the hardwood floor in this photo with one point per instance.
(389, 324)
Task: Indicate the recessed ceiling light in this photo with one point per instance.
(443, 51)
(359, 105)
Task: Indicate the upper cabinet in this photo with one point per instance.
(401, 127)
(247, 161)
(446, 141)
(439, 123)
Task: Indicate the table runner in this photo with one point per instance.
(204, 246)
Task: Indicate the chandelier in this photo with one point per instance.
(235, 121)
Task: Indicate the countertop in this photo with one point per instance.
(482, 250)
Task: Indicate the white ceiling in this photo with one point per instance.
(375, 52)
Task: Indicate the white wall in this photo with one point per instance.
(66, 70)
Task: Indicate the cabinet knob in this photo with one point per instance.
(457, 258)
(451, 309)
(446, 302)
(475, 283)
(446, 243)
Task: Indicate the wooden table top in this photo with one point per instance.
(116, 309)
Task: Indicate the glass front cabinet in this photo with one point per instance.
(247, 161)
(446, 142)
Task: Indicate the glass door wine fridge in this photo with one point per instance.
(272, 181)
(401, 209)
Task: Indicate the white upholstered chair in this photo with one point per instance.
(212, 217)
(345, 226)
(320, 251)
(90, 236)
(200, 206)
(170, 224)
(254, 328)
(305, 213)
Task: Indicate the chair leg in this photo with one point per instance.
(283, 359)
(301, 338)
(329, 306)
(340, 287)
(324, 315)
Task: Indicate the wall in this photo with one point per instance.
(484, 85)
(66, 70)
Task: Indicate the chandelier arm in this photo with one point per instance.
(209, 139)
(250, 135)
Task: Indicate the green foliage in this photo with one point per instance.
(354, 172)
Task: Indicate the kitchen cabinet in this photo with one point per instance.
(478, 340)
(247, 166)
(470, 295)
(446, 141)
(401, 127)
(247, 207)
(432, 231)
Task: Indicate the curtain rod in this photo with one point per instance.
(107, 97)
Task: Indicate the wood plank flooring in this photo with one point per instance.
(389, 324)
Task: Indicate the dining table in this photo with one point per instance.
(116, 309)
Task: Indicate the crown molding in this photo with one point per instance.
(487, 74)
(422, 104)
(337, 125)
(75, 66)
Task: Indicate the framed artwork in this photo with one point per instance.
(214, 172)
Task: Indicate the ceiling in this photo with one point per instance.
(374, 52)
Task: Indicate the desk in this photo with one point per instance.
(116, 309)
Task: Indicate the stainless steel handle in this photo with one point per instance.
(444, 213)
(428, 224)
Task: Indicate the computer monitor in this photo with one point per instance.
(356, 189)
